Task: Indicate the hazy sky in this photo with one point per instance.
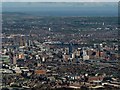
(59, 0)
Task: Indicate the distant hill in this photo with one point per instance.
(63, 9)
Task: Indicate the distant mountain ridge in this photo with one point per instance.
(63, 9)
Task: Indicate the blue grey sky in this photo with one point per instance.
(59, 0)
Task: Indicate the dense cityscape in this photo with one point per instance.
(64, 53)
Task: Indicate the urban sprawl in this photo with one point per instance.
(49, 53)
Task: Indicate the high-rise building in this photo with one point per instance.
(70, 48)
(73, 55)
(14, 59)
(22, 41)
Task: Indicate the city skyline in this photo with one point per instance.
(59, 45)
